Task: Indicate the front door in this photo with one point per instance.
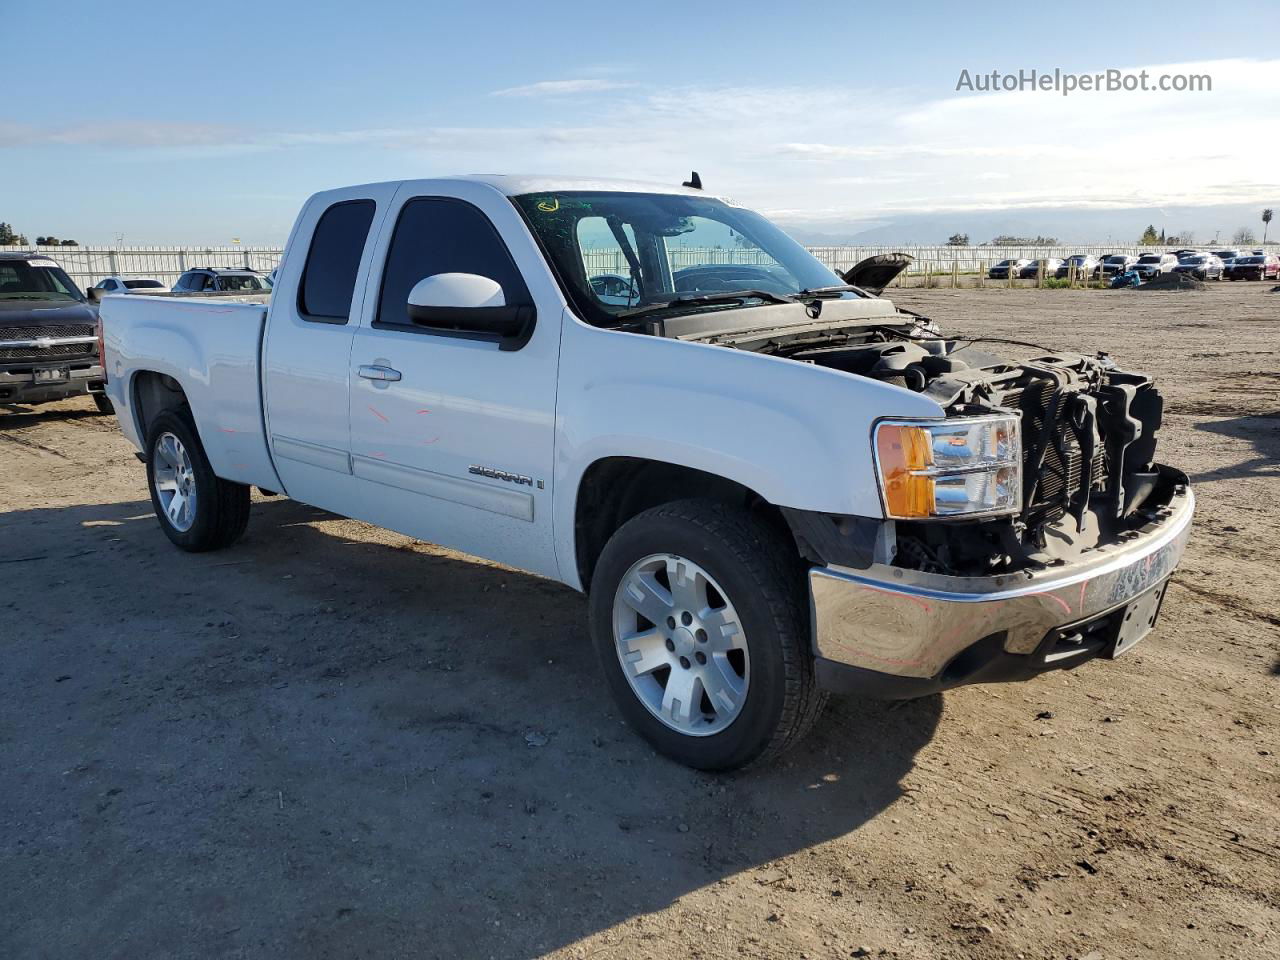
(451, 437)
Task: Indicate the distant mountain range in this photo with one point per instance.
(1069, 225)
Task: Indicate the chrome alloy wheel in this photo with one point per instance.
(175, 482)
(681, 644)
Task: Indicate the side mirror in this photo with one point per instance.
(469, 303)
(94, 294)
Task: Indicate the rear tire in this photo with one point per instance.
(197, 510)
(738, 630)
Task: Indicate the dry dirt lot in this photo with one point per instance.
(332, 741)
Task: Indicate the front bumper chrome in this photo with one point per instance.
(909, 624)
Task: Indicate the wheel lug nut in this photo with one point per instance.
(700, 657)
(701, 635)
(684, 662)
(671, 623)
(670, 645)
(686, 618)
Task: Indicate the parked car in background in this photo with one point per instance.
(1226, 256)
(48, 338)
(1151, 265)
(765, 501)
(1086, 267)
(1001, 270)
(1204, 266)
(1117, 263)
(1032, 268)
(217, 280)
(1187, 253)
(110, 285)
(1254, 267)
(615, 289)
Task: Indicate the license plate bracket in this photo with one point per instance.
(51, 374)
(1140, 616)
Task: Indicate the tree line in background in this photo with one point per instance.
(1150, 238)
(10, 238)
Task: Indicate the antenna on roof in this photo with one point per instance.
(694, 181)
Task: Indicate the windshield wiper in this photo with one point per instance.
(699, 299)
(817, 293)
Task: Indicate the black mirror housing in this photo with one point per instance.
(511, 326)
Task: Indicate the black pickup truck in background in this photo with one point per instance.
(48, 334)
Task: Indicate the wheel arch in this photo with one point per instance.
(151, 393)
(614, 489)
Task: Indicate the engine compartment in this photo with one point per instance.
(1088, 433)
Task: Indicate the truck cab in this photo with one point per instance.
(770, 482)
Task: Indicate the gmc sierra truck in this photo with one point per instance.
(770, 481)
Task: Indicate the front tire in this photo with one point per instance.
(698, 616)
(197, 510)
(104, 405)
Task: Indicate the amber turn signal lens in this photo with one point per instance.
(904, 453)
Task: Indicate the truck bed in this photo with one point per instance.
(213, 347)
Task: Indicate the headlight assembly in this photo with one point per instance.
(965, 467)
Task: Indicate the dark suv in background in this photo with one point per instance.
(48, 334)
(216, 280)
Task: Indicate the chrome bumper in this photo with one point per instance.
(912, 625)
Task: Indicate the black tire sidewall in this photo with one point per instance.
(748, 587)
(202, 533)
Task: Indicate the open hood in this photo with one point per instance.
(875, 273)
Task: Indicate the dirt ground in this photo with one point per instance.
(332, 741)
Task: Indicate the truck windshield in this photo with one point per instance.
(619, 253)
(35, 279)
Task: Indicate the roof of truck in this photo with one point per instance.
(514, 185)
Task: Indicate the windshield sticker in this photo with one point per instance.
(549, 206)
(42, 263)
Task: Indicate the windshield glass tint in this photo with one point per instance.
(620, 251)
(35, 280)
(1148, 259)
(144, 285)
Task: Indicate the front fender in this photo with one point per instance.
(797, 434)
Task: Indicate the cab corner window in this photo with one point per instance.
(329, 276)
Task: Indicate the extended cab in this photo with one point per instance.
(48, 340)
(772, 483)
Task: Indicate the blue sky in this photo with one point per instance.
(134, 119)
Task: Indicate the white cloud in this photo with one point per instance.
(821, 153)
(560, 88)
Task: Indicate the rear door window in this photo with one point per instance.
(329, 276)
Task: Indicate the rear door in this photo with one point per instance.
(451, 437)
(315, 306)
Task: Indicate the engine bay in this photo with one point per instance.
(1088, 434)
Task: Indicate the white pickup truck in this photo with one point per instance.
(772, 483)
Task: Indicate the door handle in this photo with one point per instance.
(376, 371)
